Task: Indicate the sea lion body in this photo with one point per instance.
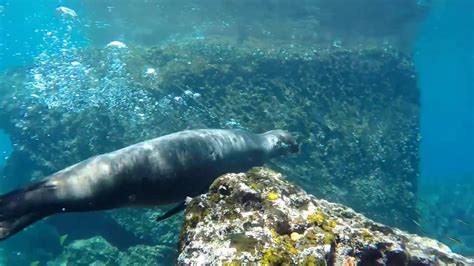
(155, 172)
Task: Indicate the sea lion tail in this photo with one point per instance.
(12, 226)
(21, 208)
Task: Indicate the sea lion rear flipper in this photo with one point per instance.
(22, 207)
(14, 225)
(178, 208)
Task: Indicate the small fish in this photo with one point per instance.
(417, 211)
(463, 222)
(455, 240)
(35, 263)
(419, 228)
(417, 223)
(422, 201)
(62, 239)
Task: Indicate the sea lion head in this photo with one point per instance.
(280, 142)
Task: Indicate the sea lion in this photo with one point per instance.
(159, 171)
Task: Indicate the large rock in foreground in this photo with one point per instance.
(260, 217)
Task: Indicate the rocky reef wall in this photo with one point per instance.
(357, 112)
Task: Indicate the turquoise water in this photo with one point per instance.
(444, 58)
(445, 61)
(441, 43)
(22, 24)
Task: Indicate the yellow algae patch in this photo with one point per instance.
(317, 218)
(275, 236)
(367, 235)
(329, 238)
(295, 236)
(272, 196)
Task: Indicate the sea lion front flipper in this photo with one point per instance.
(178, 208)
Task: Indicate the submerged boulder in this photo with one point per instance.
(93, 251)
(260, 217)
(97, 251)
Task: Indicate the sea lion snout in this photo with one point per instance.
(281, 142)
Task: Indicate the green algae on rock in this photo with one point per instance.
(278, 231)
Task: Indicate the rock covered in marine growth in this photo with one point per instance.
(260, 217)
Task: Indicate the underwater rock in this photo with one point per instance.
(94, 251)
(148, 255)
(260, 217)
(97, 251)
(142, 224)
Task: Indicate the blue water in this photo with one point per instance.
(21, 25)
(444, 59)
(445, 62)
